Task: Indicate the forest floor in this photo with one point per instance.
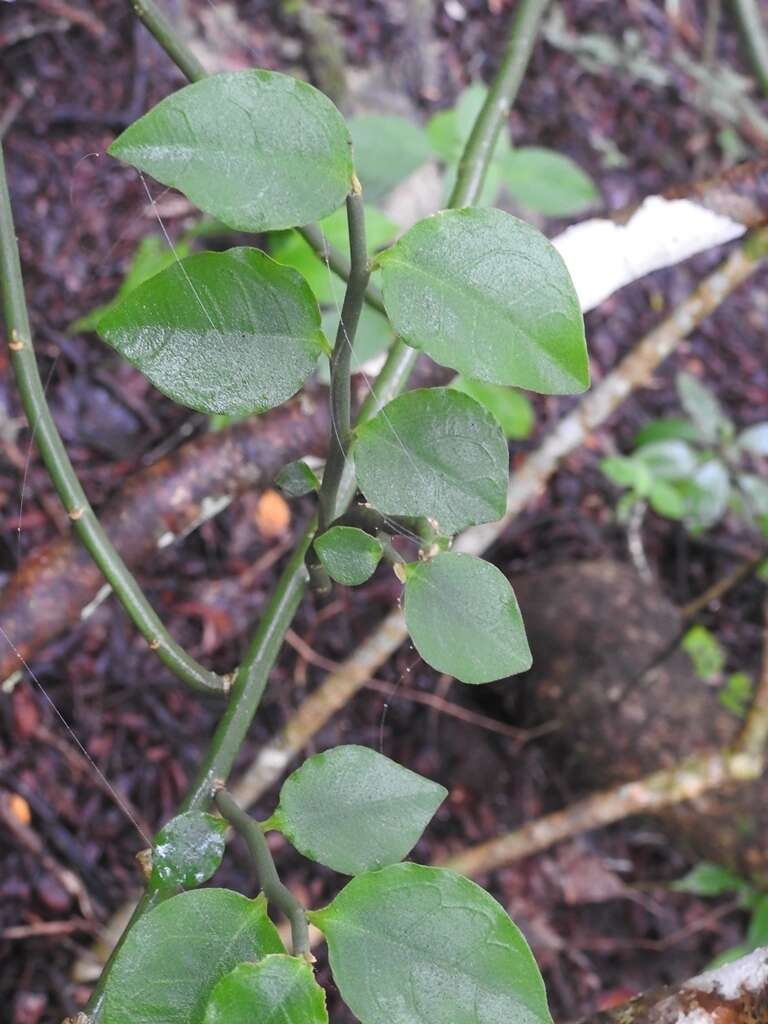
(67, 85)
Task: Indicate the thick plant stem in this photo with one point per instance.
(755, 31)
(150, 15)
(478, 151)
(341, 359)
(277, 894)
(62, 473)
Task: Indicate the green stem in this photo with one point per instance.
(252, 676)
(150, 15)
(269, 880)
(755, 34)
(81, 515)
(339, 263)
(341, 359)
(481, 143)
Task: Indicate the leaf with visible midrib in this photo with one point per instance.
(175, 954)
(488, 295)
(416, 945)
(221, 332)
(434, 452)
(259, 150)
(353, 809)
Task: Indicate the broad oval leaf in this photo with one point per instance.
(353, 809)
(487, 294)
(297, 479)
(221, 332)
(464, 619)
(257, 149)
(278, 989)
(348, 555)
(175, 954)
(703, 408)
(437, 453)
(707, 497)
(187, 851)
(416, 945)
(668, 460)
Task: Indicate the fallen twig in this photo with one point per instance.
(744, 761)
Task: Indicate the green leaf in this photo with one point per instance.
(187, 851)
(707, 498)
(257, 149)
(548, 182)
(175, 954)
(463, 618)
(757, 934)
(673, 428)
(353, 809)
(437, 453)
(755, 491)
(416, 945)
(296, 479)
(668, 460)
(387, 149)
(152, 255)
(736, 695)
(703, 408)
(277, 990)
(706, 879)
(348, 555)
(666, 500)
(755, 439)
(486, 294)
(705, 652)
(222, 332)
(510, 407)
(628, 471)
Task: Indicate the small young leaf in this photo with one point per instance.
(671, 429)
(435, 453)
(222, 332)
(666, 500)
(348, 555)
(736, 695)
(668, 460)
(548, 182)
(488, 295)
(705, 652)
(511, 407)
(702, 407)
(755, 439)
(706, 500)
(277, 990)
(187, 850)
(627, 471)
(416, 945)
(463, 618)
(296, 479)
(706, 879)
(175, 954)
(353, 809)
(257, 149)
(386, 149)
